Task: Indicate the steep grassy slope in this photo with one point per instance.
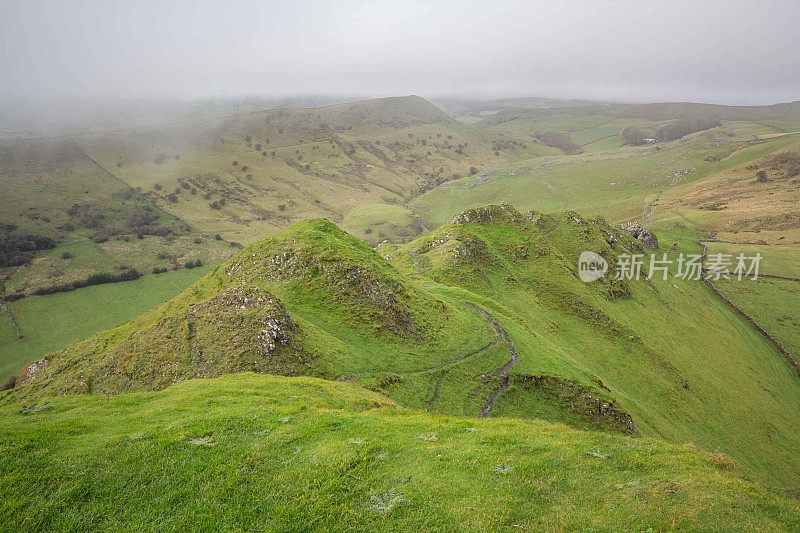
(671, 355)
(484, 316)
(775, 305)
(752, 208)
(270, 453)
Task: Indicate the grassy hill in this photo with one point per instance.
(263, 452)
(270, 168)
(483, 316)
(753, 202)
(751, 208)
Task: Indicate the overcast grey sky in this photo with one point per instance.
(743, 52)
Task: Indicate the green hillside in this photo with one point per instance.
(483, 316)
(43, 324)
(269, 453)
(268, 169)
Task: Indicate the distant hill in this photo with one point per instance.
(270, 168)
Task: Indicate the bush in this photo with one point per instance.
(85, 216)
(99, 278)
(66, 255)
(561, 141)
(139, 218)
(102, 278)
(159, 270)
(18, 247)
(679, 128)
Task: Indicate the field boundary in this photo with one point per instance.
(11, 319)
(786, 354)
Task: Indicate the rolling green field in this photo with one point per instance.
(51, 322)
(618, 185)
(776, 260)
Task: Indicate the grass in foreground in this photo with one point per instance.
(269, 453)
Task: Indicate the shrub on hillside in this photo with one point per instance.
(9, 384)
(561, 141)
(633, 135)
(679, 128)
(18, 247)
(99, 278)
(85, 216)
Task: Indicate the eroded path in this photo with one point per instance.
(447, 364)
(503, 372)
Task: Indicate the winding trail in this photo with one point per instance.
(503, 372)
(420, 262)
(452, 362)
